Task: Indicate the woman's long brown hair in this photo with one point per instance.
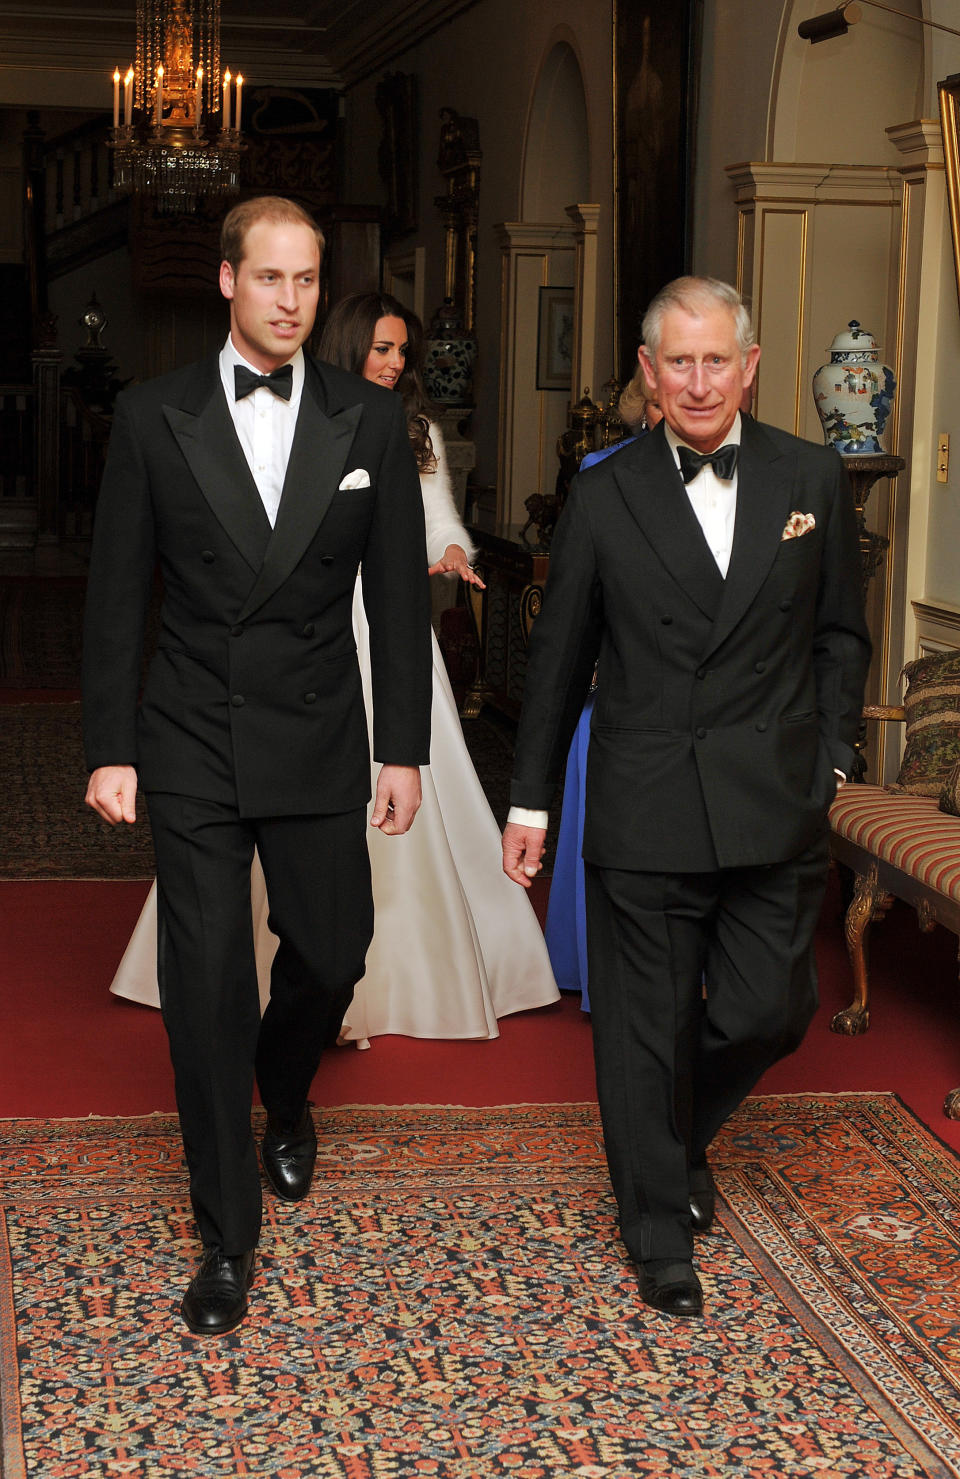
(346, 339)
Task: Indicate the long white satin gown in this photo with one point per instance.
(456, 944)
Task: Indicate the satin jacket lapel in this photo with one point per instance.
(208, 440)
(653, 490)
(321, 446)
(764, 487)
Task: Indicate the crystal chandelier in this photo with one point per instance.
(166, 143)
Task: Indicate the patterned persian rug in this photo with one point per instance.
(452, 1302)
(46, 831)
(41, 631)
(41, 625)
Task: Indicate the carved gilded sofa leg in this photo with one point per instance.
(869, 902)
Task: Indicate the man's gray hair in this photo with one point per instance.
(696, 296)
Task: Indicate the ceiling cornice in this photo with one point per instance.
(383, 34)
(310, 43)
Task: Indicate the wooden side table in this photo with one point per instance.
(515, 575)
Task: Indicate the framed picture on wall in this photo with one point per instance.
(555, 339)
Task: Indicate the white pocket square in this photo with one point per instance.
(359, 478)
(798, 524)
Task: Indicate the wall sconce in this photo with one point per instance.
(838, 21)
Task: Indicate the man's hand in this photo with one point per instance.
(397, 800)
(112, 792)
(522, 851)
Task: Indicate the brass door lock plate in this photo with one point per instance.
(943, 457)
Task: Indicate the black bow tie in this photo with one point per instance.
(279, 381)
(723, 460)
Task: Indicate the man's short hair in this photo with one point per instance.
(273, 208)
(697, 295)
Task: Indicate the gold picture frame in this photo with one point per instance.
(949, 94)
(555, 339)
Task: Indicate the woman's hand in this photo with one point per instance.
(454, 561)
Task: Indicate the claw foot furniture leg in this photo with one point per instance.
(869, 902)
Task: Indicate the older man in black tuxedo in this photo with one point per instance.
(712, 570)
(258, 481)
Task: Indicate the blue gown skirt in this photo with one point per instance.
(566, 927)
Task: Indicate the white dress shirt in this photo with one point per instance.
(265, 425)
(714, 501)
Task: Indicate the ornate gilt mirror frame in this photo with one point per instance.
(949, 93)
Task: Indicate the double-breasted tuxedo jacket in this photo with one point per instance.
(251, 727)
(723, 704)
(253, 697)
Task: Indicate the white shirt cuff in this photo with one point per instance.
(520, 816)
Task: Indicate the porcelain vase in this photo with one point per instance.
(448, 362)
(854, 393)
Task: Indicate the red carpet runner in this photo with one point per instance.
(67, 1047)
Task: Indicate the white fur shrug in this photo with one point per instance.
(439, 510)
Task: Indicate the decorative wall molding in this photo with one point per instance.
(533, 255)
(938, 626)
(920, 142)
(834, 184)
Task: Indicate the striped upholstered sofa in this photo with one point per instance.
(897, 846)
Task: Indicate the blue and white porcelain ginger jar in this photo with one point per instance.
(449, 358)
(854, 393)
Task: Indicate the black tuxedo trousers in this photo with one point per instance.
(317, 871)
(698, 983)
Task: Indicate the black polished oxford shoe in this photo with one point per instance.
(703, 1196)
(216, 1299)
(672, 1288)
(289, 1156)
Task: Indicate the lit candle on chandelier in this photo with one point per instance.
(226, 100)
(239, 103)
(199, 97)
(127, 86)
(159, 94)
(116, 97)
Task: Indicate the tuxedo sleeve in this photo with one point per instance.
(841, 648)
(564, 643)
(396, 598)
(118, 592)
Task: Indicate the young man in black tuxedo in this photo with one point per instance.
(258, 480)
(711, 570)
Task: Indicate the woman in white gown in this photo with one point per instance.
(456, 944)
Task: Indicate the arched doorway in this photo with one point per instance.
(543, 250)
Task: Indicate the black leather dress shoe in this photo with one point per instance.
(703, 1196)
(216, 1299)
(672, 1288)
(289, 1156)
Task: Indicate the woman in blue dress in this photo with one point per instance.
(566, 927)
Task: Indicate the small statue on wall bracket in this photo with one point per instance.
(544, 511)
